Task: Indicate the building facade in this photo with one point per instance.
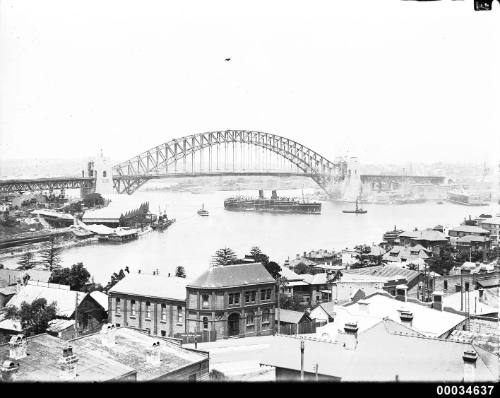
(234, 300)
(152, 303)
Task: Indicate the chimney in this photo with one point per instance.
(67, 364)
(470, 358)
(364, 306)
(406, 317)
(437, 300)
(18, 346)
(153, 354)
(108, 335)
(401, 292)
(8, 370)
(351, 335)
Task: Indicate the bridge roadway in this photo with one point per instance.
(57, 183)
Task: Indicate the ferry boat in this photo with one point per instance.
(273, 205)
(358, 210)
(120, 235)
(202, 212)
(466, 198)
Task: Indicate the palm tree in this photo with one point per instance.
(224, 256)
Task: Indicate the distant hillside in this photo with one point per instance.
(32, 168)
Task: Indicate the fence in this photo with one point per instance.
(300, 328)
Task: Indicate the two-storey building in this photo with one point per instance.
(153, 303)
(232, 300)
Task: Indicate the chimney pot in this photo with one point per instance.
(470, 358)
(8, 370)
(18, 346)
(67, 364)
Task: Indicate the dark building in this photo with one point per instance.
(233, 300)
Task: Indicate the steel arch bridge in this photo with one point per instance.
(257, 150)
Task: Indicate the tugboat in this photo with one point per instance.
(358, 210)
(273, 205)
(202, 212)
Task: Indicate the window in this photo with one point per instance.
(204, 301)
(164, 312)
(117, 325)
(445, 283)
(163, 333)
(205, 322)
(234, 298)
(179, 314)
(466, 286)
(265, 294)
(250, 296)
(265, 316)
(132, 307)
(250, 318)
(104, 173)
(118, 306)
(148, 309)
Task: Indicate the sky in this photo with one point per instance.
(385, 80)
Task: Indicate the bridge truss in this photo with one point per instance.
(230, 152)
(45, 184)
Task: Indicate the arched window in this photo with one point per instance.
(205, 322)
(250, 318)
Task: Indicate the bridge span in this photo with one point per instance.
(215, 153)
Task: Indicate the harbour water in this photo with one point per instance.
(192, 240)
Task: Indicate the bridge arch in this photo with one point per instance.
(157, 162)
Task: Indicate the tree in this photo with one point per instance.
(273, 268)
(51, 254)
(180, 272)
(443, 263)
(26, 262)
(301, 268)
(76, 277)
(115, 278)
(93, 199)
(224, 256)
(293, 303)
(34, 317)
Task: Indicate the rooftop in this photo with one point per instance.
(232, 276)
(147, 285)
(64, 298)
(383, 352)
(130, 348)
(427, 321)
(470, 229)
(473, 238)
(12, 275)
(289, 316)
(388, 271)
(44, 353)
(290, 275)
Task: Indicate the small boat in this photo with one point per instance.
(358, 210)
(202, 211)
